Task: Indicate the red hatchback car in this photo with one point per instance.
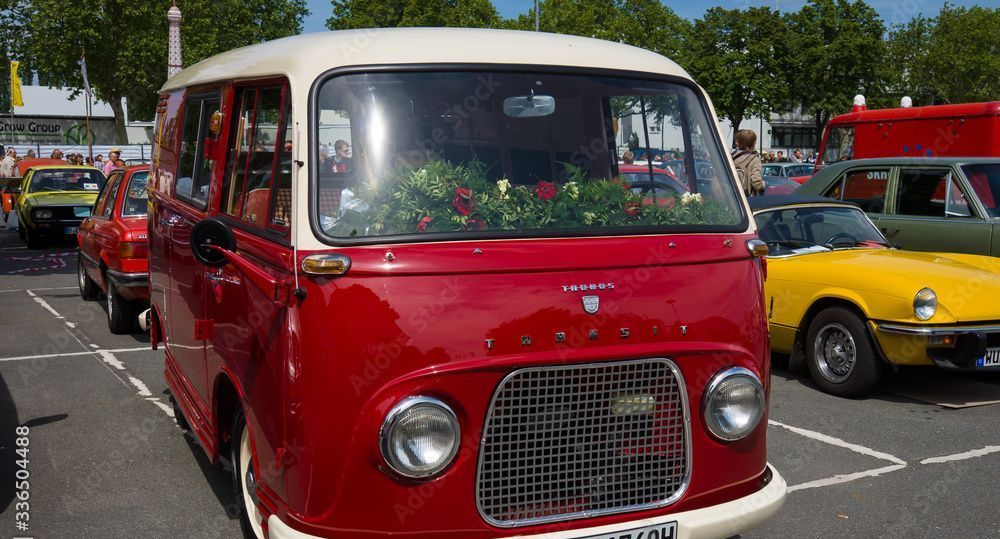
(113, 246)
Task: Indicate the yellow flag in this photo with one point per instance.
(15, 86)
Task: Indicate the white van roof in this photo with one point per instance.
(303, 58)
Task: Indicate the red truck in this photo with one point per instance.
(113, 246)
(963, 130)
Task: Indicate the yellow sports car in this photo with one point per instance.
(843, 300)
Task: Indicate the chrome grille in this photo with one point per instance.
(582, 440)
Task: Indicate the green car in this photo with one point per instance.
(54, 199)
(922, 204)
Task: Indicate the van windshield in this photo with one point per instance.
(501, 153)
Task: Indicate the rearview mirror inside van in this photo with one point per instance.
(529, 106)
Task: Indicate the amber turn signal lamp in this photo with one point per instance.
(757, 248)
(326, 264)
(132, 250)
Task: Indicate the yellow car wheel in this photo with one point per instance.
(840, 355)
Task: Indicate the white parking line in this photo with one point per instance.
(838, 479)
(69, 354)
(45, 305)
(897, 463)
(963, 456)
(840, 443)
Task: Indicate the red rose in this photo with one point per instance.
(546, 190)
(463, 200)
(632, 208)
(422, 225)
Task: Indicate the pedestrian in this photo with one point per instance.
(811, 157)
(114, 161)
(30, 154)
(781, 157)
(8, 168)
(99, 161)
(56, 154)
(628, 157)
(748, 163)
(797, 157)
(88, 161)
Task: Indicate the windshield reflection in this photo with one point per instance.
(810, 229)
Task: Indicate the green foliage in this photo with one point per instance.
(442, 197)
(126, 41)
(740, 57)
(960, 57)
(835, 49)
(352, 14)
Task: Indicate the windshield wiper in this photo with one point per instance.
(800, 243)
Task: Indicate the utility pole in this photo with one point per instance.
(537, 19)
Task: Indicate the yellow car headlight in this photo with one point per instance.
(925, 304)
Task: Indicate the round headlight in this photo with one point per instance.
(43, 214)
(420, 437)
(925, 304)
(734, 403)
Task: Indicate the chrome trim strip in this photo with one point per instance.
(677, 495)
(928, 331)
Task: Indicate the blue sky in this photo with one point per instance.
(892, 11)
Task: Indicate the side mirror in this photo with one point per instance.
(208, 234)
(16, 191)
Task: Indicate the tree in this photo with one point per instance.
(739, 57)
(901, 71)
(642, 23)
(963, 55)
(351, 14)
(126, 42)
(835, 50)
(14, 37)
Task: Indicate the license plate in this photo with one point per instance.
(667, 530)
(71, 230)
(991, 359)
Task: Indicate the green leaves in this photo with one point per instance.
(442, 197)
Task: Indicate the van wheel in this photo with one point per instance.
(244, 474)
(88, 288)
(121, 319)
(840, 356)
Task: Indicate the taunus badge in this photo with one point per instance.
(591, 304)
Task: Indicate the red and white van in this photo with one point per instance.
(401, 286)
(962, 130)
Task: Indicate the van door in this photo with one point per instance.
(186, 295)
(931, 212)
(249, 335)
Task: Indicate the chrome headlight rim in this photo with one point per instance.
(925, 298)
(391, 420)
(713, 386)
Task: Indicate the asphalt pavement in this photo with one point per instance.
(106, 459)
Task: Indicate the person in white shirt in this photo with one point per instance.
(8, 166)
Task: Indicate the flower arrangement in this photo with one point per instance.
(442, 197)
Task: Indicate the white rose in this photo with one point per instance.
(589, 217)
(503, 186)
(572, 189)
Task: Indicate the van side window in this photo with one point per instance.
(195, 171)
(281, 198)
(926, 192)
(865, 187)
(256, 156)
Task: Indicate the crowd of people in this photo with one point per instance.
(8, 165)
(797, 156)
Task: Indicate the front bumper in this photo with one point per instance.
(970, 344)
(715, 522)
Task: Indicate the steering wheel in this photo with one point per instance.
(840, 235)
